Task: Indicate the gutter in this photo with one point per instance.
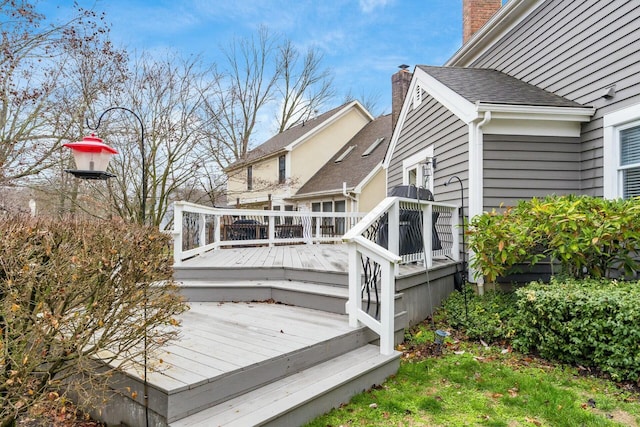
(355, 199)
(476, 177)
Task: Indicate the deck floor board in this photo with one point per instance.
(218, 339)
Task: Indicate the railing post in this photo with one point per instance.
(177, 233)
(354, 304)
(216, 230)
(272, 230)
(427, 226)
(455, 233)
(387, 315)
(393, 232)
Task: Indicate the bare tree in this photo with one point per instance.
(168, 96)
(369, 100)
(263, 71)
(32, 60)
(303, 87)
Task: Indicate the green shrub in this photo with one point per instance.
(588, 236)
(587, 322)
(488, 317)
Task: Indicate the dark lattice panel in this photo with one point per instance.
(444, 232)
(370, 292)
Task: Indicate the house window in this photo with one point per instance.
(282, 169)
(629, 170)
(417, 169)
(621, 153)
(250, 178)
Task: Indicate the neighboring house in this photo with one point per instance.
(543, 99)
(353, 179)
(274, 171)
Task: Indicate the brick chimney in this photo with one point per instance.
(476, 13)
(399, 86)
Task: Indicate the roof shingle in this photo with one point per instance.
(282, 139)
(354, 167)
(492, 86)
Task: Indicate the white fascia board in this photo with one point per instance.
(329, 122)
(454, 102)
(358, 188)
(316, 194)
(533, 112)
(458, 105)
(247, 200)
(507, 18)
(535, 120)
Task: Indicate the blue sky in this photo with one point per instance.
(363, 41)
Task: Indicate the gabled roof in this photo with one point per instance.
(284, 141)
(354, 168)
(475, 94)
(481, 85)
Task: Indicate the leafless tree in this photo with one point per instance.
(33, 56)
(263, 72)
(369, 100)
(303, 87)
(168, 96)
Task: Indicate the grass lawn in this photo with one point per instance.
(472, 384)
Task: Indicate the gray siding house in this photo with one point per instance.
(543, 98)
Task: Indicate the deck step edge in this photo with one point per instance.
(317, 390)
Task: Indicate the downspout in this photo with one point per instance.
(354, 200)
(476, 177)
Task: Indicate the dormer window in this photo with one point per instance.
(373, 146)
(345, 153)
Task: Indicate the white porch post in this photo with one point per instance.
(354, 305)
(387, 301)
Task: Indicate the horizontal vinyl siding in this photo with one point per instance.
(521, 167)
(432, 124)
(576, 49)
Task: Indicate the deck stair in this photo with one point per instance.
(292, 386)
(297, 398)
(266, 348)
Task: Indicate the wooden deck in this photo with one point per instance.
(243, 360)
(312, 257)
(330, 258)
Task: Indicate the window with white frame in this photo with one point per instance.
(630, 161)
(621, 153)
(418, 169)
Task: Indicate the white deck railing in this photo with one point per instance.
(397, 231)
(198, 229)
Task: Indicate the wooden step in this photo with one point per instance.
(259, 273)
(300, 397)
(291, 292)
